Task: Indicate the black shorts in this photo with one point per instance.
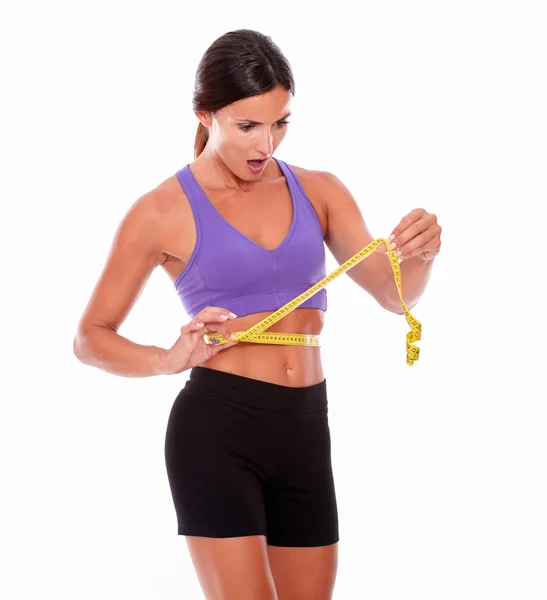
(249, 457)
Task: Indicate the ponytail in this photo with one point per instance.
(202, 136)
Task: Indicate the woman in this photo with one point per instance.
(240, 234)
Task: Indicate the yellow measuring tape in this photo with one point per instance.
(255, 333)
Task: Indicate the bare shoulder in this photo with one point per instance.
(160, 215)
(312, 177)
(315, 184)
(332, 194)
(145, 219)
(318, 181)
(164, 201)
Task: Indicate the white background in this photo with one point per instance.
(440, 467)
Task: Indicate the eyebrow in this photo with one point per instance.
(258, 123)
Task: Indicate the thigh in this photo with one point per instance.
(304, 573)
(300, 497)
(234, 568)
(216, 490)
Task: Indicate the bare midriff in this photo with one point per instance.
(294, 366)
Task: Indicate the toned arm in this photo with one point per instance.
(347, 233)
(134, 254)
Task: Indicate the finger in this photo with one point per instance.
(215, 349)
(411, 232)
(191, 329)
(400, 234)
(223, 331)
(194, 331)
(382, 248)
(220, 311)
(215, 342)
(420, 250)
(228, 334)
(213, 314)
(409, 249)
(205, 325)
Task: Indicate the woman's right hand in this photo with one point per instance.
(191, 348)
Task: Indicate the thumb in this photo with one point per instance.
(216, 348)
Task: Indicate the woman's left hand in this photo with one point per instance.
(418, 234)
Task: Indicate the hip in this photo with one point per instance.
(228, 430)
(247, 416)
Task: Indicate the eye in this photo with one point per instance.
(279, 124)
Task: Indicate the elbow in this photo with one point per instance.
(80, 348)
(398, 310)
(395, 306)
(389, 303)
(77, 346)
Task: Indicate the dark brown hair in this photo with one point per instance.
(238, 65)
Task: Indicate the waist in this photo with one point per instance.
(293, 366)
(269, 396)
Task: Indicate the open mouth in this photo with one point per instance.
(256, 162)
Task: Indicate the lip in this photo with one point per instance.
(257, 170)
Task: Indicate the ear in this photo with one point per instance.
(204, 117)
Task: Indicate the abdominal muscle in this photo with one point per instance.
(294, 366)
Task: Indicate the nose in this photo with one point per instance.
(265, 145)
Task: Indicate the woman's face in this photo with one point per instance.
(236, 139)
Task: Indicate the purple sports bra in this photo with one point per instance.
(229, 270)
